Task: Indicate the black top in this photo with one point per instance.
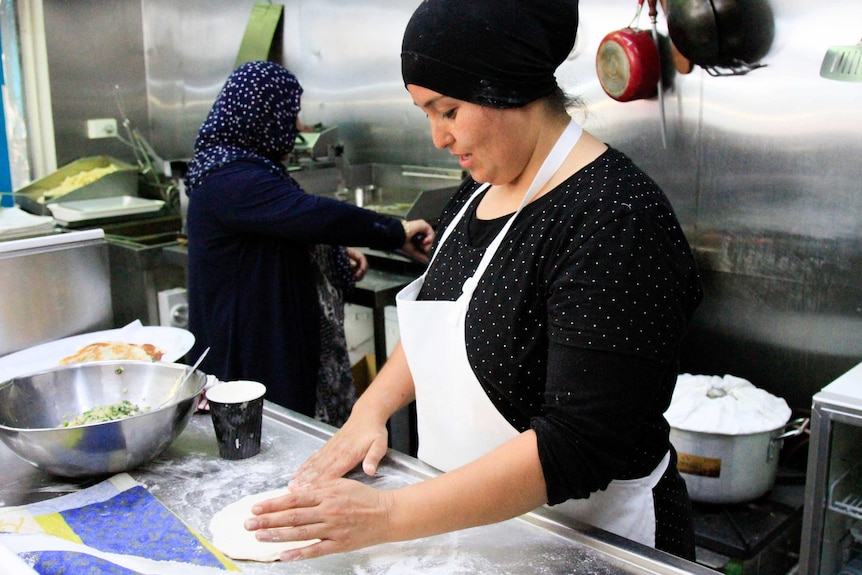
(574, 328)
(252, 294)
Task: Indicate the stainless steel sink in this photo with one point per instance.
(388, 188)
(397, 184)
(138, 267)
(147, 232)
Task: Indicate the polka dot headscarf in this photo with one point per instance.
(254, 116)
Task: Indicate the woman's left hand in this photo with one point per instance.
(344, 514)
(358, 263)
(419, 238)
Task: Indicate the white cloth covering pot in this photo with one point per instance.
(727, 434)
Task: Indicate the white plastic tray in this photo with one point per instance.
(81, 210)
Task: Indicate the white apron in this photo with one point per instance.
(456, 420)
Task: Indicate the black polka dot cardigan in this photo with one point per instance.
(574, 328)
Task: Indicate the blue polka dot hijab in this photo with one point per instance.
(254, 116)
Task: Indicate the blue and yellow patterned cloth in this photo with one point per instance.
(115, 527)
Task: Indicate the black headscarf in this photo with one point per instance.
(498, 53)
(254, 116)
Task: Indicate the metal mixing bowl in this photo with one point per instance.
(33, 406)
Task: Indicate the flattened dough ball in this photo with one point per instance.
(232, 539)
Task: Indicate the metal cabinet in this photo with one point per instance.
(832, 520)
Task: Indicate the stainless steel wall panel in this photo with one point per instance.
(190, 50)
(780, 310)
(53, 291)
(348, 60)
(95, 56)
(769, 164)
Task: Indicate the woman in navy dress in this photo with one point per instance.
(251, 279)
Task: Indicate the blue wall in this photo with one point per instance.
(6, 199)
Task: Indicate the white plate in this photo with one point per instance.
(174, 341)
(81, 210)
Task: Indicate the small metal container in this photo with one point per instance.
(33, 407)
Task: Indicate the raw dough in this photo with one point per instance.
(232, 539)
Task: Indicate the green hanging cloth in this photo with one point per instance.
(259, 32)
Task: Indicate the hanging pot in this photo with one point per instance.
(714, 34)
(628, 66)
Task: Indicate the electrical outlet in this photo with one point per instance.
(102, 128)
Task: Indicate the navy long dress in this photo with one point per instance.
(252, 293)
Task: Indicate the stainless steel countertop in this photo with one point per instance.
(191, 480)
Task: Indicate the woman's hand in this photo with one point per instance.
(358, 263)
(420, 237)
(361, 439)
(347, 515)
(344, 514)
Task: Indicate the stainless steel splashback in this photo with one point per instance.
(52, 287)
(764, 170)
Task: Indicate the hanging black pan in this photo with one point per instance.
(722, 36)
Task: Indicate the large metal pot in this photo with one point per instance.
(721, 468)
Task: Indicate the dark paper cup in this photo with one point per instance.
(237, 413)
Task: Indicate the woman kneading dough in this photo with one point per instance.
(541, 344)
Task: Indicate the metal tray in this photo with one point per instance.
(123, 182)
(102, 208)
